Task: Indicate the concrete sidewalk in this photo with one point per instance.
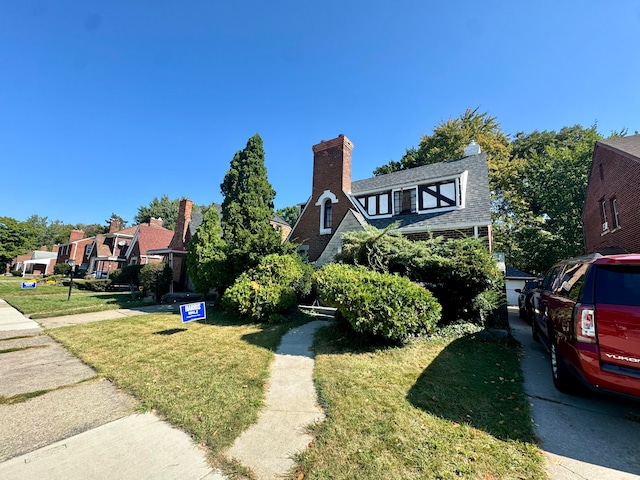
(83, 427)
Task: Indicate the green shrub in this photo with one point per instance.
(16, 273)
(101, 285)
(273, 287)
(61, 269)
(155, 278)
(456, 271)
(128, 275)
(381, 304)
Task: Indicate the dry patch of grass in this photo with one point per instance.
(436, 409)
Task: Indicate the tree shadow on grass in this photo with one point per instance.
(476, 380)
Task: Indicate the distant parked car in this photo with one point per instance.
(524, 298)
(587, 314)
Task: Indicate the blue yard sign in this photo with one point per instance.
(193, 311)
(29, 284)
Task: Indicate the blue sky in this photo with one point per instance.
(105, 105)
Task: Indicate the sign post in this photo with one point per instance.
(193, 311)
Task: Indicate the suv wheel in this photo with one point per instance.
(534, 330)
(562, 379)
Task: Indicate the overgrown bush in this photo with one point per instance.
(156, 278)
(456, 271)
(61, 269)
(272, 288)
(381, 304)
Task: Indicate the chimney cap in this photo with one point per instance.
(472, 149)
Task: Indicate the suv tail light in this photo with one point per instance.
(585, 320)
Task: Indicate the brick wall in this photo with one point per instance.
(331, 171)
(614, 174)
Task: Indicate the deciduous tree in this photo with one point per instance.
(16, 238)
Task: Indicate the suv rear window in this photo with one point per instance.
(618, 285)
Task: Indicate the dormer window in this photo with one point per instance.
(404, 201)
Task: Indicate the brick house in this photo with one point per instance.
(106, 252)
(450, 199)
(611, 217)
(76, 249)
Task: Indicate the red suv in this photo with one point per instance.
(587, 313)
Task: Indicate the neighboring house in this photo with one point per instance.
(76, 249)
(107, 252)
(450, 199)
(611, 217)
(281, 225)
(515, 278)
(175, 251)
(37, 263)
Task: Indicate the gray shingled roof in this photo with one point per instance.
(630, 144)
(478, 200)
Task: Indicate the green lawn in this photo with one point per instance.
(439, 408)
(205, 378)
(51, 300)
(435, 409)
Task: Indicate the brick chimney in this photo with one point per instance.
(182, 224)
(114, 225)
(156, 222)
(76, 235)
(55, 248)
(332, 166)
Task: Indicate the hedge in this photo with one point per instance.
(381, 304)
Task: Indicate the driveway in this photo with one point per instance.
(583, 437)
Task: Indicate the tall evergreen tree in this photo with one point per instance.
(206, 254)
(247, 209)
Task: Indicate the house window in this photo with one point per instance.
(404, 201)
(384, 204)
(326, 218)
(614, 213)
(325, 202)
(439, 195)
(603, 215)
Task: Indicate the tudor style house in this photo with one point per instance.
(450, 199)
(611, 217)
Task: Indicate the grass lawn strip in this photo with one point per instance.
(436, 409)
(208, 379)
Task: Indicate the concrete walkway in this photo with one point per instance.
(291, 405)
(84, 427)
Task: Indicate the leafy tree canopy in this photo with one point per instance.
(289, 214)
(16, 238)
(449, 139)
